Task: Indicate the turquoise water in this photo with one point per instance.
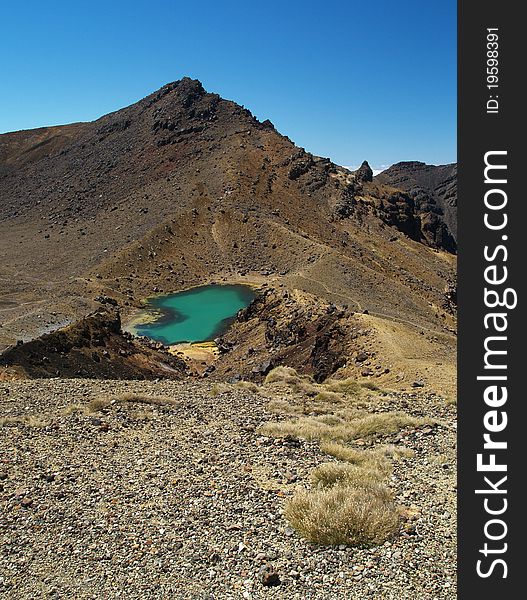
(195, 315)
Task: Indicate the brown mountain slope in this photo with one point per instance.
(24, 147)
(434, 191)
(184, 188)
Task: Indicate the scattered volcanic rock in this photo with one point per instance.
(184, 498)
(94, 347)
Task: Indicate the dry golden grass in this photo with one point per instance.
(321, 404)
(73, 409)
(309, 398)
(384, 424)
(307, 429)
(351, 387)
(282, 375)
(28, 421)
(296, 394)
(288, 377)
(285, 407)
(372, 460)
(249, 386)
(349, 475)
(397, 452)
(98, 404)
(369, 385)
(348, 502)
(364, 515)
(341, 452)
(345, 386)
(334, 427)
(328, 397)
(220, 388)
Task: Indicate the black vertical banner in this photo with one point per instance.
(492, 263)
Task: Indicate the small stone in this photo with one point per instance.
(268, 576)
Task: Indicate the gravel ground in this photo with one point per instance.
(185, 500)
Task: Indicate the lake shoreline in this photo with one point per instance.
(203, 313)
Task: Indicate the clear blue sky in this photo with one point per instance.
(347, 79)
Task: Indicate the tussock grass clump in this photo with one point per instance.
(288, 377)
(321, 404)
(337, 473)
(351, 387)
(282, 375)
(27, 420)
(308, 429)
(249, 386)
(220, 388)
(328, 398)
(295, 407)
(98, 404)
(372, 460)
(330, 419)
(364, 515)
(335, 427)
(283, 406)
(348, 502)
(72, 409)
(345, 386)
(397, 452)
(384, 424)
(341, 452)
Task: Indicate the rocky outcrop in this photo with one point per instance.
(433, 191)
(279, 328)
(364, 173)
(93, 347)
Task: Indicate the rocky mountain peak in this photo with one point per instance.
(364, 172)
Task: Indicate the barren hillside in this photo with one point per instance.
(319, 460)
(184, 188)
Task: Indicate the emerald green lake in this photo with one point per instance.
(196, 315)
